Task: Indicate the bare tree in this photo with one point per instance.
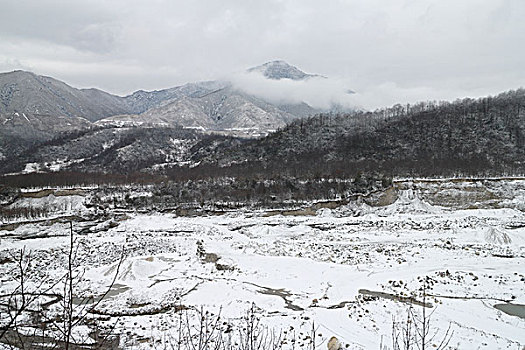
(416, 332)
(25, 307)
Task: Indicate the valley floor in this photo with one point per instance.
(297, 270)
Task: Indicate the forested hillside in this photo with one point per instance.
(482, 136)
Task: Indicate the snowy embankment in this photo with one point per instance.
(350, 270)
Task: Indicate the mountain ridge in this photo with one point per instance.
(27, 92)
(220, 110)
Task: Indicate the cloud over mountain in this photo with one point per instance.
(282, 83)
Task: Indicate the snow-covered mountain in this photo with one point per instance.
(26, 92)
(141, 101)
(279, 69)
(38, 111)
(226, 110)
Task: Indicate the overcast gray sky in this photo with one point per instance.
(387, 50)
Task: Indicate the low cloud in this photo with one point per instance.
(325, 93)
(389, 93)
(318, 92)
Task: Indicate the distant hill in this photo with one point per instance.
(117, 150)
(25, 92)
(20, 131)
(225, 109)
(141, 101)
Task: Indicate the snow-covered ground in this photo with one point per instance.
(302, 269)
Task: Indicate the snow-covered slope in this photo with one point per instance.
(221, 110)
(20, 130)
(26, 92)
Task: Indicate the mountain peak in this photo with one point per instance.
(280, 69)
(18, 73)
